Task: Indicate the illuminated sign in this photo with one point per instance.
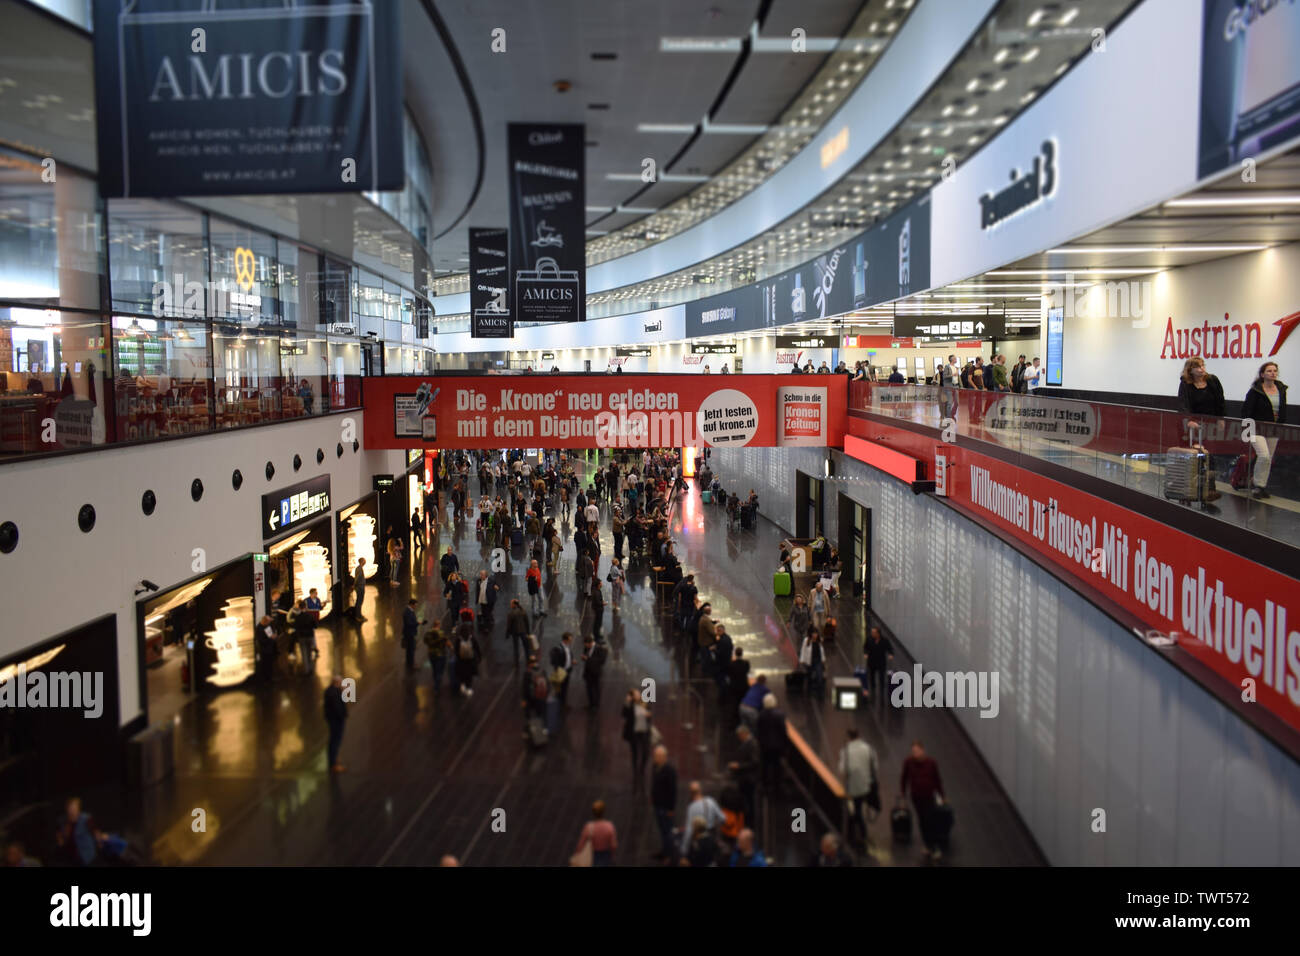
(295, 505)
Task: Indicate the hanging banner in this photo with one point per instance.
(256, 98)
(630, 411)
(489, 284)
(547, 221)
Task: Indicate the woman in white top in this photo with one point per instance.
(819, 605)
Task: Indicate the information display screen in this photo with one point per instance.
(1055, 344)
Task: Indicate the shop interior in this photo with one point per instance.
(301, 561)
(198, 636)
(358, 536)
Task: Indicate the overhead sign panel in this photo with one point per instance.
(296, 505)
(489, 284)
(256, 98)
(547, 221)
(951, 326)
(807, 341)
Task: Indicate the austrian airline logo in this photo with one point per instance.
(1285, 326)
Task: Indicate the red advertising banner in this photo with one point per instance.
(1239, 618)
(589, 411)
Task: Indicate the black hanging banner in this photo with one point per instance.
(489, 284)
(198, 98)
(547, 221)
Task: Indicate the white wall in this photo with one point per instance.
(1122, 353)
(1089, 717)
(59, 578)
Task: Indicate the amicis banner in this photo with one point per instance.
(624, 411)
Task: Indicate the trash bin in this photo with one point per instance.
(150, 755)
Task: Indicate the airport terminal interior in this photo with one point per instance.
(692, 433)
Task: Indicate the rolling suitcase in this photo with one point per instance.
(941, 820)
(708, 497)
(781, 584)
(900, 823)
(1188, 476)
(537, 735)
(516, 537)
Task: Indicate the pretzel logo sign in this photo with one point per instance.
(245, 268)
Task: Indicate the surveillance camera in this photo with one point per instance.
(145, 585)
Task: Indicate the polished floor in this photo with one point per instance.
(431, 773)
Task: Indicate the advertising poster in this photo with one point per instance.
(197, 99)
(1235, 617)
(627, 411)
(489, 284)
(1250, 80)
(548, 261)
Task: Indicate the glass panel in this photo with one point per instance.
(157, 260)
(51, 253)
(306, 374)
(243, 274)
(54, 369)
(247, 374)
(344, 374)
(162, 381)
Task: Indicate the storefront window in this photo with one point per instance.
(54, 373)
(344, 374)
(162, 378)
(158, 260)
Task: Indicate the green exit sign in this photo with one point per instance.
(262, 556)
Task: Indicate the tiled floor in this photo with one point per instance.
(430, 774)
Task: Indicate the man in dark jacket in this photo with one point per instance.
(722, 651)
(455, 593)
(594, 656)
(448, 563)
(517, 628)
(745, 770)
(663, 797)
(737, 680)
(878, 652)
(410, 625)
(772, 739)
(336, 715)
(921, 776)
(683, 598)
(831, 853)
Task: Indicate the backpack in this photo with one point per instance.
(466, 650)
(540, 688)
(557, 656)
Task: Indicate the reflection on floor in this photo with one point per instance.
(427, 771)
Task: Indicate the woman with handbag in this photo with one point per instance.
(598, 840)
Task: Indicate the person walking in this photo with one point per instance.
(861, 775)
(813, 658)
(358, 590)
(417, 533)
(585, 571)
(1265, 403)
(745, 770)
(437, 646)
(395, 553)
(772, 739)
(336, 716)
(819, 605)
(636, 731)
(410, 626)
(597, 608)
(562, 656)
(602, 836)
(534, 692)
(468, 655)
(921, 776)
(617, 579)
(594, 656)
(878, 653)
(533, 578)
(752, 701)
(517, 629)
(448, 564)
(663, 798)
(700, 808)
(617, 522)
(800, 619)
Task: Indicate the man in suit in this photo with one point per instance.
(663, 798)
(745, 770)
(336, 715)
(359, 589)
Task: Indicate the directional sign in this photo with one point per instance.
(807, 341)
(951, 326)
(295, 505)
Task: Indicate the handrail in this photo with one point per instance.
(831, 782)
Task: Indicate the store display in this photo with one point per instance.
(311, 569)
(232, 641)
(361, 543)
